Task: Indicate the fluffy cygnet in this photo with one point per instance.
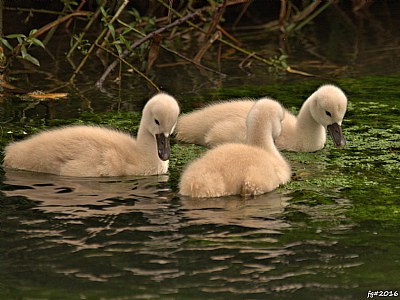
(253, 168)
(91, 151)
(225, 122)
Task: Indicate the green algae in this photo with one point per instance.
(365, 173)
(181, 155)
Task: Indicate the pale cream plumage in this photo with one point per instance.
(253, 168)
(225, 122)
(90, 151)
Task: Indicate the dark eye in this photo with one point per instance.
(328, 113)
(155, 120)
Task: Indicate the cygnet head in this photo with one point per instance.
(328, 106)
(159, 117)
(265, 113)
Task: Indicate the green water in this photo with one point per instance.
(331, 233)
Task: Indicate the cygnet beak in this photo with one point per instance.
(337, 136)
(163, 146)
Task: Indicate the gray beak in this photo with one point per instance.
(337, 136)
(163, 147)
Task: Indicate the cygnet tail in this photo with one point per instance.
(198, 186)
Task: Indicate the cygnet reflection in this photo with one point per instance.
(81, 197)
(263, 211)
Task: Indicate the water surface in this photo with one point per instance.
(331, 233)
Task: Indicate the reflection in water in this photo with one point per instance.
(80, 197)
(84, 197)
(264, 211)
(128, 238)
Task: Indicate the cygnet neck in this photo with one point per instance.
(305, 119)
(259, 134)
(145, 139)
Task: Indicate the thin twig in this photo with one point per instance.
(87, 27)
(53, 30)
(206, 46)
(313, 15)
(283, 14)
(228, 35)
(119, 59)
(1, 22)
(174, 52)
(33, 10)
(244, 51)
(308, 10)
(79, 8)
(126, 52)
(193, 62)
(121, 8)
(217, 18)
(245, 60)
(241, 14)
(49, 26)
(57, 22)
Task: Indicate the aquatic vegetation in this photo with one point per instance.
(365, 172)
(183, 153)
(122, 120)
(334, 226)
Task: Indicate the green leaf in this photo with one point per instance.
(119, 49)
(125, 41)
(32, 32)
(152, 22)
(6, 43)
(103, 12)
(112, 30)
(37, 42)
(24, 52)
(126, 30)
(135, 13)
(15, 36)
(31, 59)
